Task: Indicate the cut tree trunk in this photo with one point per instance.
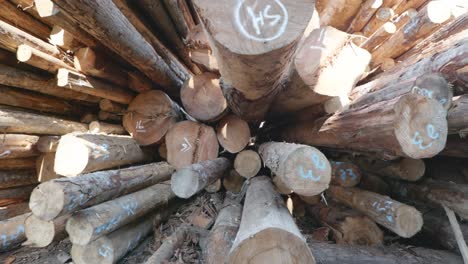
(345, 174)
(101, 127)
(383, 15)
(247, 45)
(12, 232)
(188, 181)
(402, 219)
(40, 233)
(45, 167)
(149, 116)
(202, 97)
(347, 225)
(267, 231)
(18, 163)
(365, 13)
(17, 178)
(379, 36)
(12, 210)
(190, 142)
(233, 133)
(14, 146)
(66, 195)
(82, 153)
(46, 8)
(106, 23)
(84, 227)
(233, 182)
(64, 39)
(15, 195)
(247, 163)
(405, 169)
(40, 59)
(411, 126)
(338, 13)
(297, 168)
(457, 117)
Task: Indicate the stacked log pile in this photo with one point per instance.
(113, 113)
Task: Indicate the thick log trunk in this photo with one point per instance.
(393, 127)
(190, 142)
(297, 168)
(40, 59)
(345, 174)
(267, 230)
(247, 163)
(149, 116)
(15, 195)
(348, 226)
(379, 36)
(180, 15)
(269, 46)
(202, 97)
(400, 218)
(105, 22)
(223, 233)
(10, 179)
(188, 181)
(12, 210)
(23, 20)
(40, 233)
(12, 232)
(14, 146)
(337, 13)
(457, 118)
(45, 167)
(407, 4)
(46, 8)
(383, 15)
(365, 13)
(233, 133)
(62, 196)
(18, 163)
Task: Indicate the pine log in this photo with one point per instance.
(180, 15)
(330, 253)
(345, 174)
(365, 13)
(457, 117)
(84, 227)
(407, 4)
(150, 115)
(379, 36)
(106, 23)
(16, 17)
(404, 17)
(406, 169)
(429, 19)
(247, 163)
(14, 146)
(267, 231)
(297, 168)
(402, 129)
(202, 97)
(83, 153)
(18, 163)
(188, 181)
(190, 142)
(337, 13)
(325, 54)
(16, 121)
(15, 194)
(223, 233)
(45, 167)
(437, 228)
(249, 46)
(436, 193)
(47, 144)
(112, 107)
(12, 210)
(30, 81)
(383, 15)
(12, 232)
(100, 127)
(348, 226)
(89, 85)
(64, 39)
(66, 195)
(233, 182)
(233, 133)
(402, 219)
(205, 58)
(38, 102)
(40, 233)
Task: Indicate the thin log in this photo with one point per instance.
(383, 15)
(297, 168)
(9, 179)
(14, 146)
(45, 167)
(67, 195)
(379, 36)
(407, 4)
(180, 15)
(47, 144)
(112, 107)
(337, 13)
(84, 227)
(12, 210)
(23, 20)
(247, 163)
(233, 133)
(40, 59)
(188, 181)
(150, 115)
(365, 13)
(345, 174)
(40, 233)
(457, 118)
(15, 194)
(404, 18)
(82, 153)
(18, 163)
(12, 232)
(267, 226)
(402, 219)
(202, 97)
(401, 134)
(190, 142)
(101, 127)
(62, 38)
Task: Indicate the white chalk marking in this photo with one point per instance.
(186, 146)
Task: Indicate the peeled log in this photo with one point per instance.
(411, 126)
(348, 226)
(12, 232)
(189, 142)
(202, 97)
(84, 227)
(62, 38)
(14, 146)
(267, 231)
(40, 59)
(297, 168)
(40, 233)
(345, 174)
(149, 116)
(233, 133)
(253, 56)
(247, 163)
(188, 181)
(457, 117)
(66, 195)
(400, 218)
(82, 153)
(383, 15)
(379, 36)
